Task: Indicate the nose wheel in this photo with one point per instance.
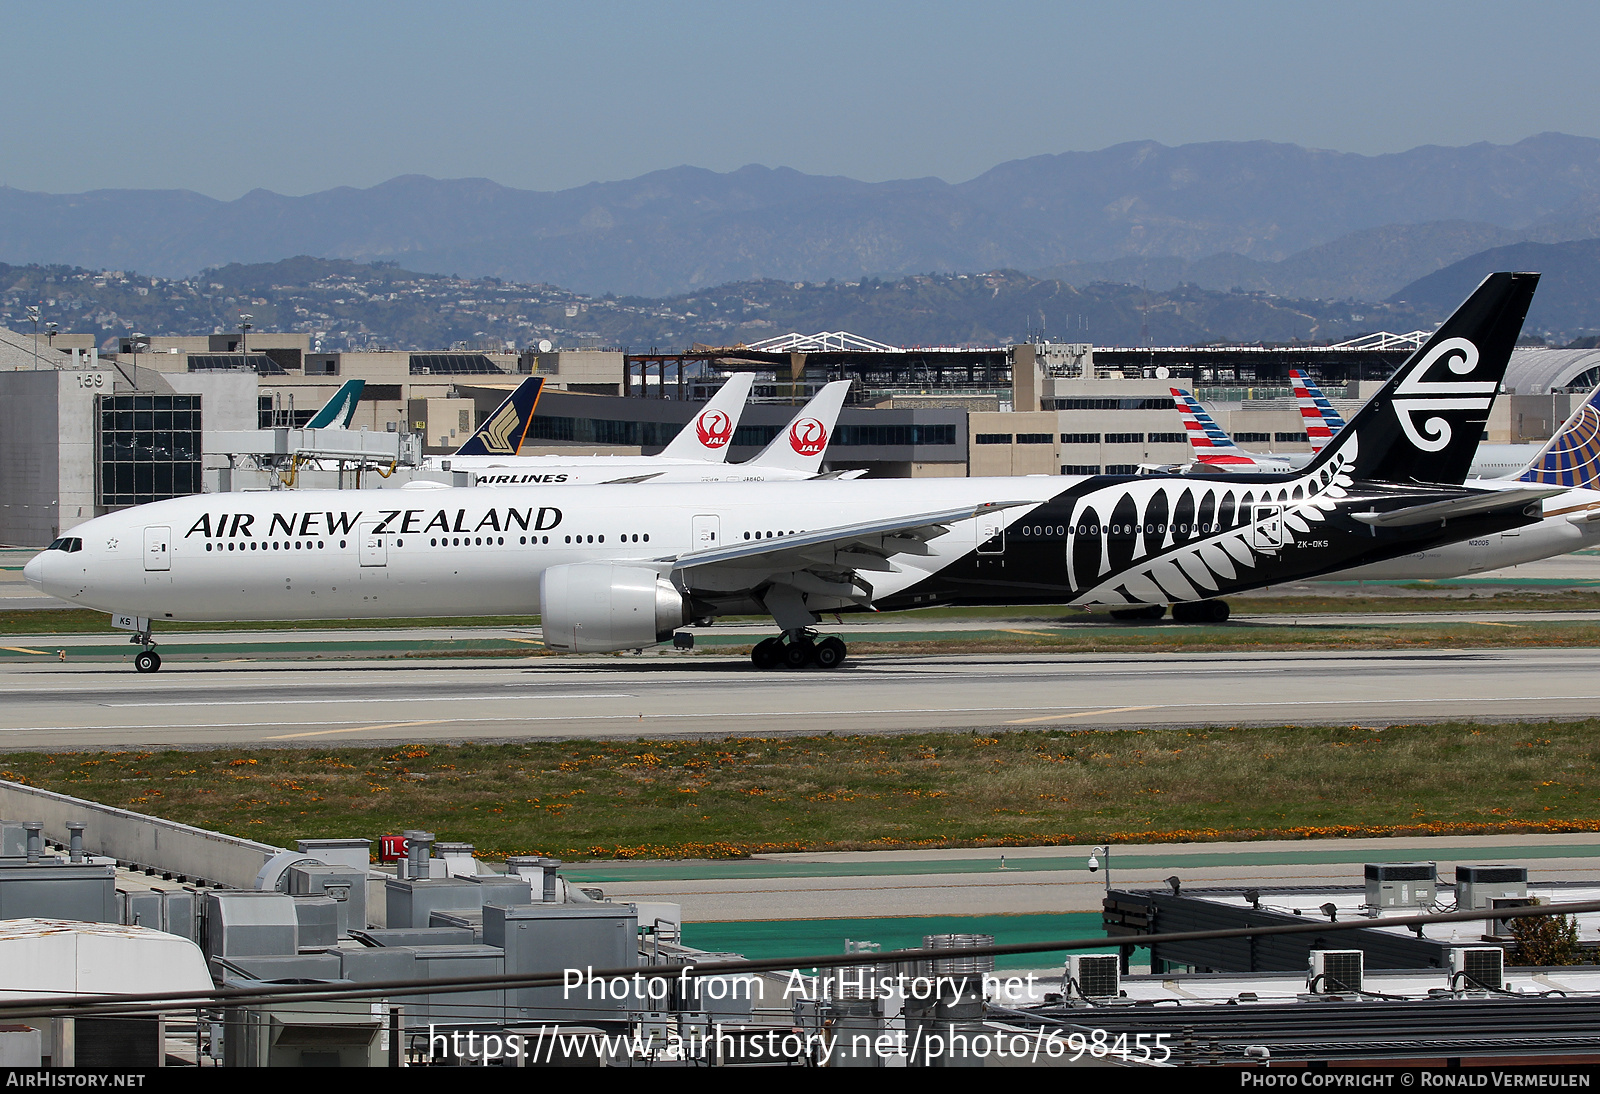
(798, 650)
(147, 659)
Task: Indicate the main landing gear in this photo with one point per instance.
(798, 649)
(1200, 611)
(147, 659)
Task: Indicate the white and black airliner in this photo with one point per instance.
(623, 566)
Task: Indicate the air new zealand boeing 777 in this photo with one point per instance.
(616, 567)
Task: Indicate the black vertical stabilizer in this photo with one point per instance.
(1424, 426)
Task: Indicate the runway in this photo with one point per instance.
(51, 705)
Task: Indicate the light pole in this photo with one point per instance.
(50, 332)
(136, 342)
(244, 328)
(1094, 862)
(33, 313)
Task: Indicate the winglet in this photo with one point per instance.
(708, 436)
(337, 411)
(501, 432)
(804, 441)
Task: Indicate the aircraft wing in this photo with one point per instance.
(1457, 507)
(826, 561)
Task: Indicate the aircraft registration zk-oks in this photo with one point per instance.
(617, 567)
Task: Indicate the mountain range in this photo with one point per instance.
(1252, 215)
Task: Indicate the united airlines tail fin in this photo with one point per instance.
(337, 411)
(1425, 424)
(501, 432)
(804, 441)
(1322, 422)
(1572, 456)
(707, 437)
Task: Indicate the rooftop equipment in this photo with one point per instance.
(1476, 885)
(1400, 884)
(1093, 975)
(1334, 971)
(1478, 967)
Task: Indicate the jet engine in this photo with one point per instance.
(597, 607)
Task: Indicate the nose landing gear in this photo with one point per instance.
(798, 649)
(147, 659)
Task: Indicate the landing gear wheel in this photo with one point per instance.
(147, 661)
(767, 654)
(1149, 611)
(830, 653)
(1201, 611)
(799, 653)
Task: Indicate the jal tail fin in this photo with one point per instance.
(337, 411)
(1206, 437)
(708, 436)
(501, 432)
(1425, 423)
(1572, 456)
(804, 441)
(1322, 422)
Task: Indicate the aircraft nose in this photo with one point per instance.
(33, 572)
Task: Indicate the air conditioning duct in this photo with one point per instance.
(1334, 971)
(598, 607)
(1095, 975)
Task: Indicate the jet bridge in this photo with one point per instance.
(284, 458)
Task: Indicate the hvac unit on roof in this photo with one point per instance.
(1334, 971)
(1477, 885)
(1400, 884)
(1477, 967)
(1094, 975)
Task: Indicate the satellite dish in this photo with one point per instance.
(545, 346)
(1161, 372)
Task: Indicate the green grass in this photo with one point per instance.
(724, 798)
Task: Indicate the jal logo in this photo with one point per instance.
(808, 436)
(714, 428)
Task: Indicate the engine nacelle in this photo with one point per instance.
(598, 607)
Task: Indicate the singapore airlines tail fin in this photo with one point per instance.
(1425, 423)
(501, 432)
(708, 436)
(803, 442)
(1572, 456)
(338, 411)
(1322, 422)
(1211, 444)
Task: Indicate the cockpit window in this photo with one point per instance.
(68, 544)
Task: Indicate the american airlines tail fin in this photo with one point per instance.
(1316, 412)
(337, 411)
(501, 432)
(707, 437)
(1425, 423)
(1210, 441)
(804, 441)
(1572, 456)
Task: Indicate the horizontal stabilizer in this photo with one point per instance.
(1455, 508)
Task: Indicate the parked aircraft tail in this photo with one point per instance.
(337, 411)
(501, 432)
(708, 436)
(803, 442)
(1210, 442)
(1572, 456)
(1322, 422)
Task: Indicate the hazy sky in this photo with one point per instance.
(298, 97)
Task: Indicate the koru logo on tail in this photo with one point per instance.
(1415, 395)
(714, 428)
(808, 436)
